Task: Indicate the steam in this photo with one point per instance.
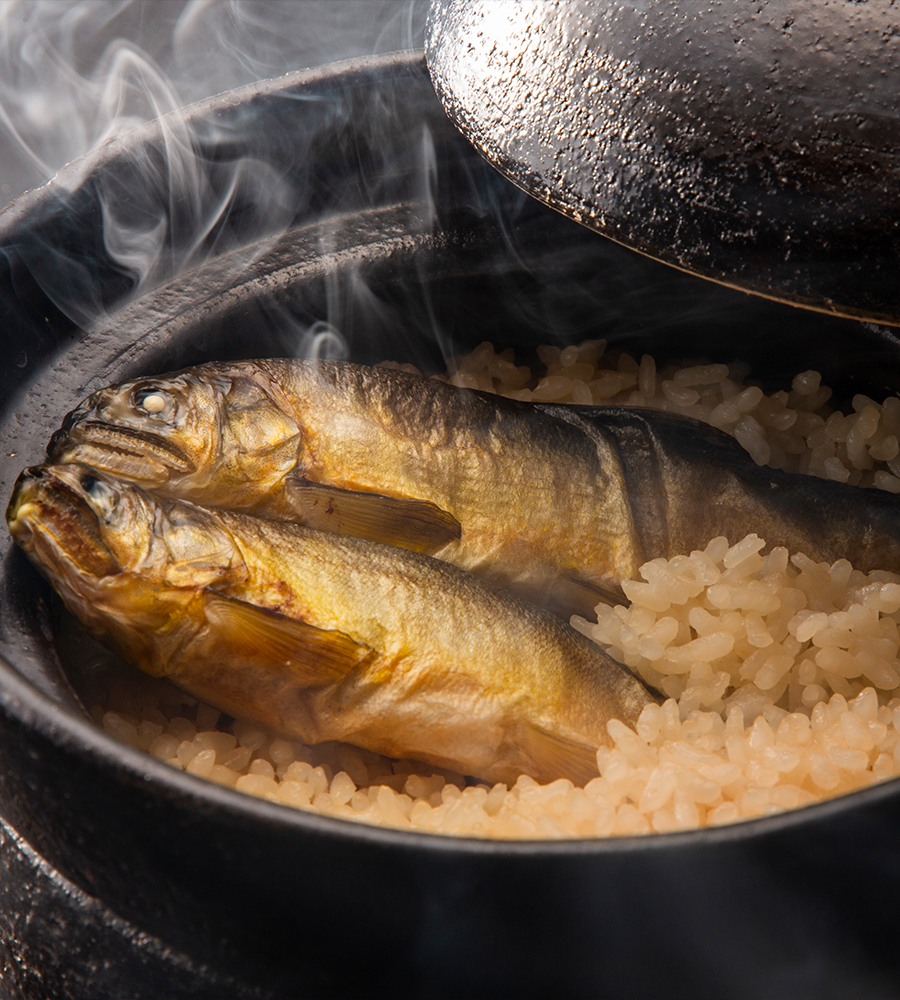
(322, 341)
(74, 73)
(77, 74)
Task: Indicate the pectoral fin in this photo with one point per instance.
(556, 756)
(417, 525)
(311, 655)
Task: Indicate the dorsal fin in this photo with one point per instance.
(629, 435)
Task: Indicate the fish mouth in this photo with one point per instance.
(52, 521)
(134, 453)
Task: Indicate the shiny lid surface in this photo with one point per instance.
(754, 144)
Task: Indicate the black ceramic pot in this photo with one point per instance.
(388, 226)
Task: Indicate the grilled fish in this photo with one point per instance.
(559, 504)
(324, 637)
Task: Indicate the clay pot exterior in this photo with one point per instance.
(152, 882)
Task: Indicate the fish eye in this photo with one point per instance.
(103, 497)
(150, 401)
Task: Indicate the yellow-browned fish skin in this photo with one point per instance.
(559, 504)
(325, 637)
(536, 502)
(539, 504)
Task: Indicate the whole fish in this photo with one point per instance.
(324, 637)
(559, 504)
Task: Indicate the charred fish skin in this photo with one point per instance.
(521, 485)
(689, 482)
(628, 484)
(325, 637)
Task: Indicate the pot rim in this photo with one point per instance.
(69, 177)
(20, 698)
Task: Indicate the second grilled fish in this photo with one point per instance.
(324, 637)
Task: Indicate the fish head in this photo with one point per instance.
(192, 434)
(147, 431)
(51, 519)
(128, 566)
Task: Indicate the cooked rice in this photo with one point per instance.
(782, 674)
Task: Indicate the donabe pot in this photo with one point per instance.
(389, 227)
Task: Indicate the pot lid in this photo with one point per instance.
(757, 145)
